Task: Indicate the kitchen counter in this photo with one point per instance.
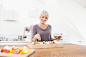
(24, 42)
(69, 50)
(13, 42)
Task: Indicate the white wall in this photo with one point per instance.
(60, 20)
(76, 13)
(24, 20)
(61, 16)
(0, 10)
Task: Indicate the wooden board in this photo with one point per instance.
(44, 45)
(16, 55)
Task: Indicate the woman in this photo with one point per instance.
(42, 31)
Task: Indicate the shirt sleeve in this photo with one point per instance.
(34, 31)
(50, 33)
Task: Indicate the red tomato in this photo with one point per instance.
(6, 50)
(2, 50)
(16, 51)
(20, 50)
(52, 43)
(30, 42)
(12, 48)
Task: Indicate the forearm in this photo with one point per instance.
(53, 38)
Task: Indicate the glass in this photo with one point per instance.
(12, 39)
(20, 38)
(5, 39)
(58, 35)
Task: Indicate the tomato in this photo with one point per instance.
(30, 42)
(53, 42)
(6, 50)
(16, 51)
(50, 43)
(12, 48)
(35, 43)
(2, 50)
(20, 50)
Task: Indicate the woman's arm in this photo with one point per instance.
(56, 38)
(35, 36)
(34, 33)
(53, 38)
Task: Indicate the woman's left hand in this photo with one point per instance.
(58, 38)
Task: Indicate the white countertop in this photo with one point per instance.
(25, 42)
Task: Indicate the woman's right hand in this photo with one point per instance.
(37, 36)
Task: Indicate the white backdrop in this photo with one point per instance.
(63, 16)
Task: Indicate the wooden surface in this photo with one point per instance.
(44, 45)
(69, 50)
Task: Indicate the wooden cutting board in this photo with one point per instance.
(16, 55)
(59, 45)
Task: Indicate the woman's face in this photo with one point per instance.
(43, 18)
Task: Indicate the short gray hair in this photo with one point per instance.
(45, 13)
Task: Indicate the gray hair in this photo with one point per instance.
(44, 13)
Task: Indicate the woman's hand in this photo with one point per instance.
(37, 36)
(58, 38)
